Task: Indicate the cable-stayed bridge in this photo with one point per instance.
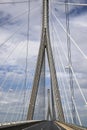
(41, 85)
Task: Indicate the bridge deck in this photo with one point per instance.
(49, 125)
(40, 125)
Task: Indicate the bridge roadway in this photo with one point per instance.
(47, 125)
(40, 125)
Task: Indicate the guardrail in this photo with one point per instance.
(71, 126)
(17, 125)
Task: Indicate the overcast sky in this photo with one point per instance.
(13, 23)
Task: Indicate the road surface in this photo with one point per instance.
(49, 125)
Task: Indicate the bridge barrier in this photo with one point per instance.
(68, 126)
(18, 125)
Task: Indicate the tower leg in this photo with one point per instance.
(54, 80)
(36, 82)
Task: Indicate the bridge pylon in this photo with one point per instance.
(45, 47)
(49, 115)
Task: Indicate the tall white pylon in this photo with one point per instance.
(45, 46)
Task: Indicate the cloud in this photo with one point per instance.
(78, 10)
